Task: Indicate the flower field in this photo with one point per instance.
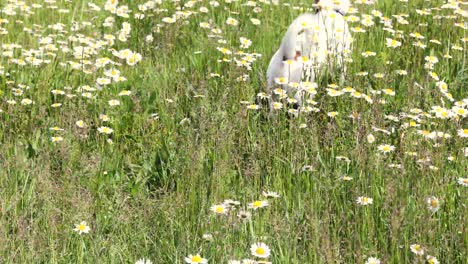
(137, 131)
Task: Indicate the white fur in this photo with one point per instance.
(322, 37)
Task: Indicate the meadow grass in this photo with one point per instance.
(184, 139)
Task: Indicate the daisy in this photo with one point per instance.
(463, 181)
(191, 259)
(270, 194)
(433, 204)
(463, 132)
(255, 21)
(431, 260)
(388, 92)
(244, 215)
(105, 130)
(253, 107)
(258, 204)
(362, 200)
(82, 228)
(220, 209)
(372, 260)
(417, 249)
(431, 59)
(229, 202)
(277, 105)
(125, 92)
(232, 22)
(385, 148)
(370, 138)
(368, 54)
(281, 80)
(114, 102)
(207, 237)
(103, 81)
(143, 261)
(260, 250)
(392, 43)
(56, 139)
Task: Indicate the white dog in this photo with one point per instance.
(311, 42)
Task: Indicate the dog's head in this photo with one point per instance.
(342, 6)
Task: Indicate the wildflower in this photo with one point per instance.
(391, 43)
(463, 132)
(417, 249)
(230, 202)
(281, 80)
(125, 92)
(143, 261)
(372, 260)
(368, 54)
(333, 93)
(255, 21)
(114, 102)
(133, 59)
(332, 114)
(431, 260)
(82, 228)
(417, 35)
(379, 75)
(431, 59)
(220, 209)
(385, 148)
(277, 105)
(258, 204)
(253, 107)
(104, 118)
(245, 43)
(26, 101)
(244, 215)
(433, 204)
(402, 72)
(105, 130)
(362, 200)
(270, 194)
(370, 138)
(56, 139)
(103, 81)
(388, 92)
(260, 250)
(194, 259)
(232, 22)
(362, 73)
(207, 237)
(346, 178)
(463, 181)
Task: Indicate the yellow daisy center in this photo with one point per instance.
(197, 259)
(257, 203)
(260, 251)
